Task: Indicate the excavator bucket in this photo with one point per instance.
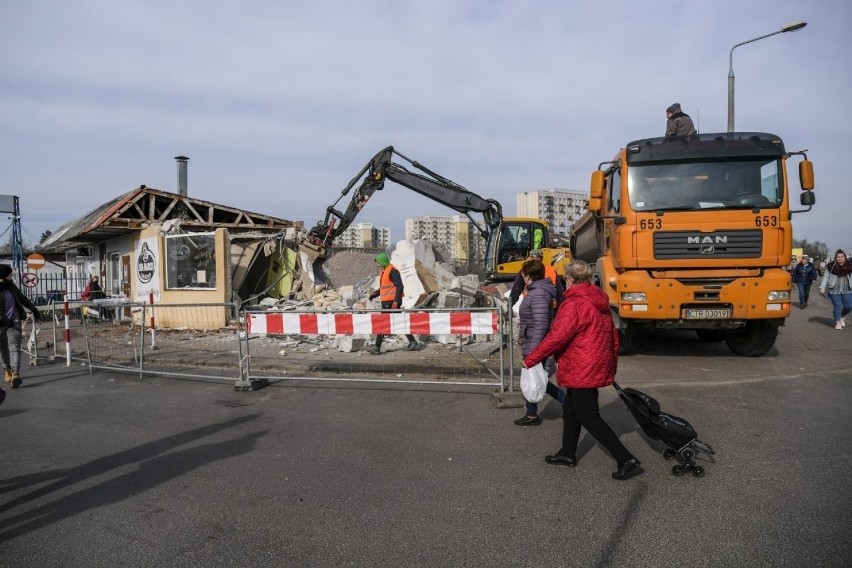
(316, 255)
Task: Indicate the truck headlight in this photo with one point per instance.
(775, 295)
(634, 297)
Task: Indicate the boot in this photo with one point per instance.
(8, 374)
(16, 380)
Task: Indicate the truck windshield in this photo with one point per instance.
(717, 184)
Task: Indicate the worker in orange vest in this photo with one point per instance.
(390, 295)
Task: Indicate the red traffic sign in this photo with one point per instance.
(29, 279)
(35, 261)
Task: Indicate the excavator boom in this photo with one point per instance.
(429, 184)
(508, 241)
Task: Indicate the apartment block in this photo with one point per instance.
(364, 235)
(454, 236)
(559, 207)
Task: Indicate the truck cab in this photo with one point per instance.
(695, 233)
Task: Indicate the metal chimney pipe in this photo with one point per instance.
(182, 187)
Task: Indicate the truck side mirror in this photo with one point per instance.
(806, 175)
(596, 191)
(807, 198)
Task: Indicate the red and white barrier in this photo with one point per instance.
(67, 318)
(391, 323)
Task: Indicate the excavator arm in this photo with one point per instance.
(372, 178)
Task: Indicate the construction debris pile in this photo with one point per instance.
(345, 280)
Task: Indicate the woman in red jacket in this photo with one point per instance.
(584, 341)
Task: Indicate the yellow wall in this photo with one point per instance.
(206, 317)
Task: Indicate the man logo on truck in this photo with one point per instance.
(707, 240)
(708, 249)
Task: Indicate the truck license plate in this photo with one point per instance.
(707, 313)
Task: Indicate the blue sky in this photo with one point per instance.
(278, 103)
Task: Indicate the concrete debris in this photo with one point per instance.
(349, 343)
(345, 280)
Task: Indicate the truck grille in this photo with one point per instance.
(717, 244)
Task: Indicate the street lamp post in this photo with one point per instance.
(791, 27)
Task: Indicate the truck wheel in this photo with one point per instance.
(754, 340)
(625, 338)
(710, 335)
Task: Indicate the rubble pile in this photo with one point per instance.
(349, 268)
(344, 281)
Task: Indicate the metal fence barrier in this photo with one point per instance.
(55, 287)
(198, 341)
(217, 342)
(459, 346)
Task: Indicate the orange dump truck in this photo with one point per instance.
(695, 233)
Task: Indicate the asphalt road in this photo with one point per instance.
(110, 470)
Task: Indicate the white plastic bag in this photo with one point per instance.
(534, 383)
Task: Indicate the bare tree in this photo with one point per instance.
(817, 250)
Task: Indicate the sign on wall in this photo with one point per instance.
(147, 269)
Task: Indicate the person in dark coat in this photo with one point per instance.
(12, 304)
(678, 123)
(804, 275)
(536, 312)
(584, 340)
(519, 285)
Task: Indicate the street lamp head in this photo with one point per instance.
(793, 26)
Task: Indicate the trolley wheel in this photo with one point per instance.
(669, 454)
(678, 470)
(687, 454)
(698, 471)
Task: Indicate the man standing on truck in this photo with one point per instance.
(390, 294)
(678, 123)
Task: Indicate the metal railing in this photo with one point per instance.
(298, 345)
(217, 342)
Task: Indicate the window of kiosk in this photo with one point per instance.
(191, 262)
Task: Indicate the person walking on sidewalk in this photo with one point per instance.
(390, 295)
(837, 281)
(536, 312)
(12, 304)
(804, 275)
(584, 340)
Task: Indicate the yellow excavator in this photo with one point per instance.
(509, 240)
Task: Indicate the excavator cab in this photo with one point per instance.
(510, 244)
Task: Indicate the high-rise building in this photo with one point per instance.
(364, 235)
(559, 207)
(454, 236)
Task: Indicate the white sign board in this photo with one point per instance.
(147, 271)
